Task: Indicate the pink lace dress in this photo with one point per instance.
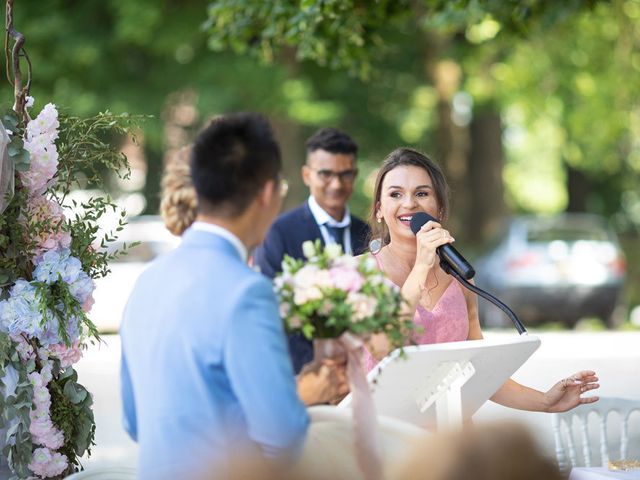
(447, 322)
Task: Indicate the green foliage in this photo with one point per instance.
(567, 107)
(333, 33)
(29, 227)
(86, 150)
(351, 34)
(15, 150)
(88, 146)
(514, 16)
(15, 408)
(71, 411)
(142, 52)
(84, 230)
(14, 242)
(56, 299)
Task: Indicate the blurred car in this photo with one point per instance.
(112, 292)
(559, 268)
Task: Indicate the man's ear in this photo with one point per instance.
(306, 174)
(266, 193)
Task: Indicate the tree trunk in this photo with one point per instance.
(486, 159)
(151, 189)
(291, 143)
(452, 141)
(577, 189)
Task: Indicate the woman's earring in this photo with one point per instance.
(379, 220)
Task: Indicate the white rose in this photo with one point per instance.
(308, 249)
(303, 295)
(362, 306)
(312, 276)
(347, 261)
(333, 250)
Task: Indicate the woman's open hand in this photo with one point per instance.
(566, 394)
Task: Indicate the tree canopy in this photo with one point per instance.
(463, 80)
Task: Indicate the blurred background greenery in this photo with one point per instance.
(529, 106)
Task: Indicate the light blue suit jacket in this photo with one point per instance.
(205, 368)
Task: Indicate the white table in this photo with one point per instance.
(602, 473)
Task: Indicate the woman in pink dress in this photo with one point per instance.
(408, 182)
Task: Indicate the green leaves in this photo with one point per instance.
(339, 34)
(71, 412)
(15, 149)
(10, 119)
(15, 408)
(75, 392)
(89, 145)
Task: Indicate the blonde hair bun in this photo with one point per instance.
(179, 203)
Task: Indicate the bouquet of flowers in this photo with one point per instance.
(48, 263)
(331, 293)
(343, 298)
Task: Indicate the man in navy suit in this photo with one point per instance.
(329, 172)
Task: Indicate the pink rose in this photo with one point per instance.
(346, 279)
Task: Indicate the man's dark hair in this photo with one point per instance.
(232, 158)
(332, 140)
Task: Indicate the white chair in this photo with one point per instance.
(563, 431)
(105, 473)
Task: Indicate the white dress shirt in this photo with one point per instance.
(224, 233)
(322, 218)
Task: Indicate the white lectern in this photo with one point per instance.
(444, 384)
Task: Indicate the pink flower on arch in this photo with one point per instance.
(41, 210)
(46, 463)
(67, 355)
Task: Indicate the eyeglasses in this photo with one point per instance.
(345, 176)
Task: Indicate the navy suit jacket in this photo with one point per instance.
(287, 234)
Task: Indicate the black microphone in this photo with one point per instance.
(449, 256)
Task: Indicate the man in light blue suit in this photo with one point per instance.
(205, 367)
